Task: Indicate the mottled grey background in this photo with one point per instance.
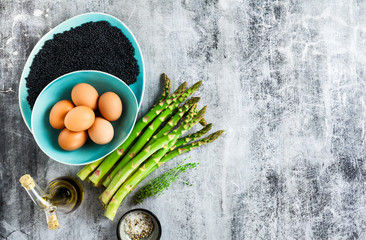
(286, 79)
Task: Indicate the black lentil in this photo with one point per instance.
(91, 46)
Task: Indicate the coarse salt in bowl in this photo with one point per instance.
(132, 219)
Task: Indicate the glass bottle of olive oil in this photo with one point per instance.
(63, 194)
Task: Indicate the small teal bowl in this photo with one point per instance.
(47, 137)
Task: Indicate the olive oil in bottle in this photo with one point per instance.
(64, 194)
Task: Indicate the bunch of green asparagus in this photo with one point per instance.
(155, 139)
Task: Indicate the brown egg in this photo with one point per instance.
(58, 113)
(71, 141)
(101, 132)
(84, 94)
(79, 119)
(110, 106)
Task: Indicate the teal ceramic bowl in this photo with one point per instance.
(137, 87)
(47, 137)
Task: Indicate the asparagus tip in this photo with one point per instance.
(202, 112)
(216, 135)
(203, 122)
(181, 88)
(208, 127)
(194, 100)
(196, 85)
(167, 81)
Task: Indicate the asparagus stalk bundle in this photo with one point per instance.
(150, 166)
(163, 143)
(155, 139)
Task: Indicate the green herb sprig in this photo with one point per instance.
(159, 185)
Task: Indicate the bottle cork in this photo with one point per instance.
(53, 222)
(27, 181)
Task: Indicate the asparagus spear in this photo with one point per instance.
(163, 142)
(145, 137)
(191, 137)
(112, 158)
(88, 169)
(192, 146)
(148, 168)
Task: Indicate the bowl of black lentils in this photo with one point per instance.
(91, 41)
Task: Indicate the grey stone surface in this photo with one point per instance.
(286, 79)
